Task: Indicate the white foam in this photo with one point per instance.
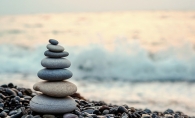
(126, 61)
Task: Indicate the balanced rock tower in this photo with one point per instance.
(55, 89)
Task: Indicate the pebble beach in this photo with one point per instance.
(15, 104)
(116, 57)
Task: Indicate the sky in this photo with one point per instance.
(9, 7)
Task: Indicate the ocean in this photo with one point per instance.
(145, 59)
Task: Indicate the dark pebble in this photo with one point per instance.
(154, 116)
(29, 116)
(69, 115)
(124, 115)
(11, 85)
(53, 41)
(3, 114)
(48, 116)
(176, 116)
(1, 109)
(105, 112)
(1, 104)
(147, 111)
(10, 92)
(122, 109)
(20, 94)
(90, 111)
(17, 98)
(104, 107)
(4, 86)
(28, 91)
(13, 112)
(27, 97)
(97, 112)
(113, 110)
(37, 116)
(169, 111)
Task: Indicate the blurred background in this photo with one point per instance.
(140, 53)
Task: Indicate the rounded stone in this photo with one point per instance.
(70, 115)
(53, 41)
(56, 89)
(55, 48)
(55, 63)
(46, 104)
(54, 74)
(56, 54)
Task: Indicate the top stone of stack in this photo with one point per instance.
(53, 41)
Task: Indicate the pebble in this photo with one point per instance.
(69, 115)
(54, 63)
(122, 109)
(169, 111)
(90, 111)
(55, 48)
(54, 74)
(11, 85)
(1, 104)
(56, 89)
(145, 116)
(1, 109)
(105, 111)
(13, 112)
(17, 98)
(10, 92)
(104, 107)
(53, 41)
(48, 116)
(56, 54)
(45, 104)
(37, 116)
(147, 111)
(124, 115)
(3, 114)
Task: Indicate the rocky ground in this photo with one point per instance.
(14, 103)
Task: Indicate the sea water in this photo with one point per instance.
(113, 57)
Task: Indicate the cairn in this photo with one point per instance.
(56, 90)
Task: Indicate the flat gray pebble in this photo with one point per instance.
(56, 54)
(69, 115)
(55, 63)
(53, 41)
(55, 48)
(54, 74)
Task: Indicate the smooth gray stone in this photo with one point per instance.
(55, 63)
(70, 115)
(53, 41)
(55, 48)
(51, 105)
(56, 89)
(56, 54)
(54, 74)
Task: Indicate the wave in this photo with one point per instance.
(128, 61)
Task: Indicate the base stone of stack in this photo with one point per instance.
(45, 104)
(56, 89)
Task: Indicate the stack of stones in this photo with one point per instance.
(55, 97)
